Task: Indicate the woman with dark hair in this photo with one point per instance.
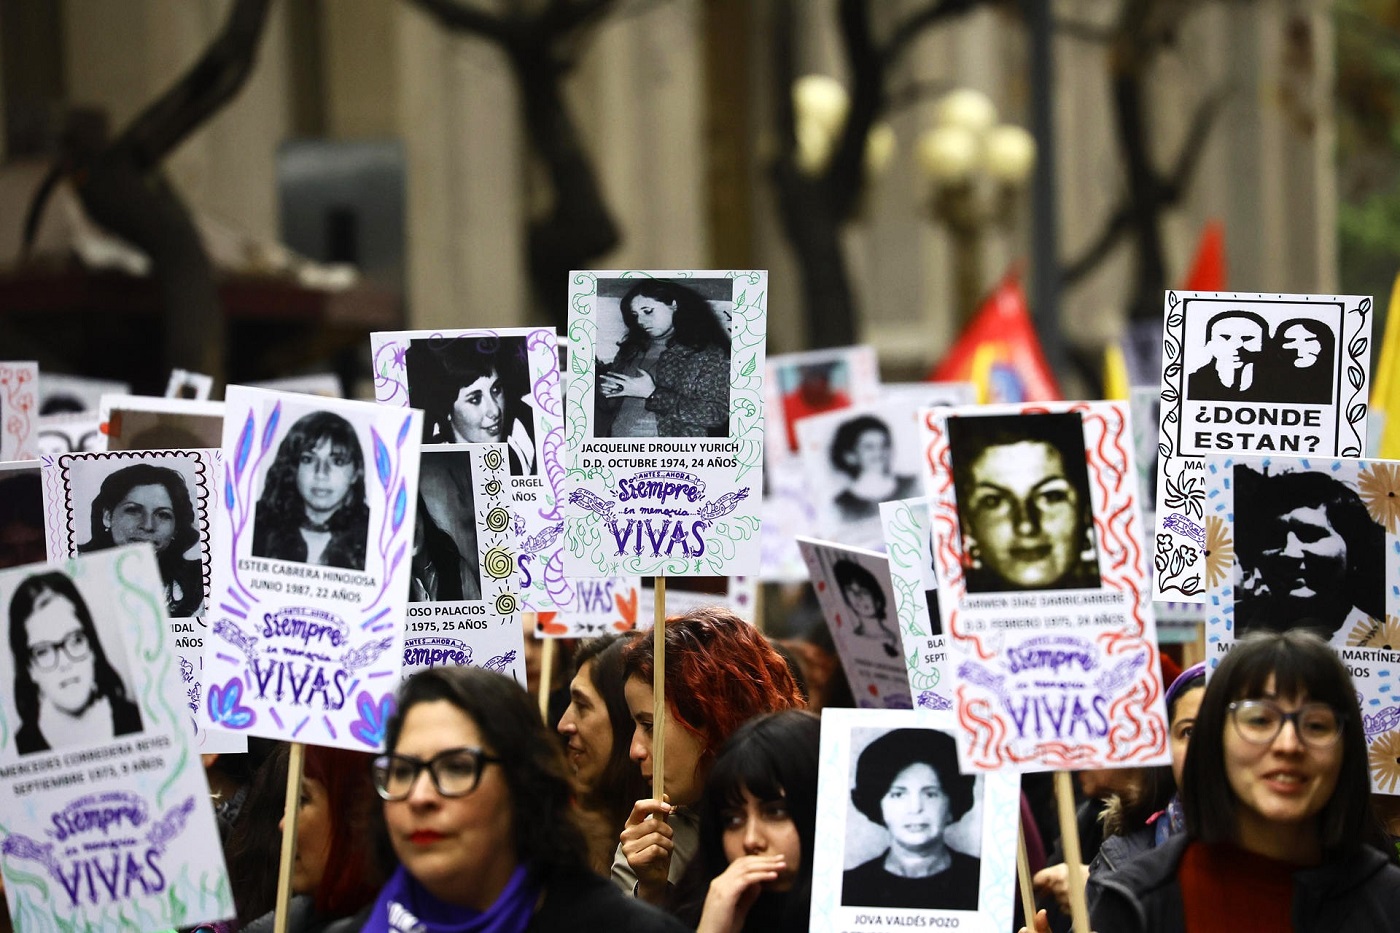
(753, 870)
(471, 390)
(720, 673)
(1302, 355)
(863, 450)
(1022, 487)
(866, 598)
(145, 503)
(907, 781)
(1309, 553)
(670, 377)
(66, 691)
(334, 874)
(1276, 791)
(597, 726)
(476, 807)
(312, 509)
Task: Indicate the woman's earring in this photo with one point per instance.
(972, 555)
(1090, 554)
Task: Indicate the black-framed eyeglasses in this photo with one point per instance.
(1260, 721)
(455, 772)
(44, 654)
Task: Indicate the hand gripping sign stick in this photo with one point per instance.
(658, 686)
(1074, 857)
(289, 838)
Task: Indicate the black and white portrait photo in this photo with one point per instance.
(1240, 356)
(69, 665)
(870, 606)
(907, 829)
(312, 508)
(473, 389)
(446, 564)
(1022, 489)
(161, 501)
(663, 357)
(1308, 554)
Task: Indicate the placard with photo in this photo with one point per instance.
(22, 522)
(909, 548)
(1250, 375)
(787, 511)
(813, 382)
(929, 394)
(189, 385)
(1312, 542)
(665, 422)
(494, 386)
(856, 596)
(854, 459)
(63, 394)
(315, 532)
(462, 607)
(97, 501)
(1043, 586)
(19, 407)
(889, 788)
(69, 433)
(142, 422)
(108, 819)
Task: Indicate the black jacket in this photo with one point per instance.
(1359, 895)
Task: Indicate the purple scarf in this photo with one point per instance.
(405, 906)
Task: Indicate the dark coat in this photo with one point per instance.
(1358, 895)
(126, 719)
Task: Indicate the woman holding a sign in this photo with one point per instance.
(670, 377)
(1279, 831)
(476, 806)
(720, 673)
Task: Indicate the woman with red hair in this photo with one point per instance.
(720, 673)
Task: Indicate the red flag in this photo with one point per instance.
(999, 350)
(1208, 268)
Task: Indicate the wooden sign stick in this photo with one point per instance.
(1074, 856)
(546, 676)
(289, 838)
(658, 686)
(1023, 876)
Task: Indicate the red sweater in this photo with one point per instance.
(1225, 889)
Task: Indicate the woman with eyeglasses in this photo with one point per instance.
(1276, 792)
(66, 691)
(477, 809)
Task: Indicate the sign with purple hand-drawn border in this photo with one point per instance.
(1246, 374)
(104, 828)
(453, 375)
(601, 605)
(89, 500)
(1295, 541)
(664, 422)
(313, 537)
(462, 605)
(19, 391)
(909, 546)
(1043, 588)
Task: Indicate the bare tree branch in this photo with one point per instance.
(920, 20)
(466, 19)
(1113, 231)
(916, 91)
(562, 17)
(1179, 179)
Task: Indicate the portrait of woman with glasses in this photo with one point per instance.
(66, 691)
(477, 809)
(1276, 791)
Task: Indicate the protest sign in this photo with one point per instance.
(787, 511)
(107, 819)
(601, 605)
(462, 607)
(854, 459)
(909, 547)
(665, 422)
(1042, 584)
(809, 383)
(1250, 375)
(189, 385)
(62, 394)
(488, 386)
(68, 433)
(96, 501)
(314, 527)
(889, 786)
(1312, 542)
(929, 394)
(18, 409)
(853, 588)
(141, 422)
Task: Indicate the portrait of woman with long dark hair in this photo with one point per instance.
(313, 509)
